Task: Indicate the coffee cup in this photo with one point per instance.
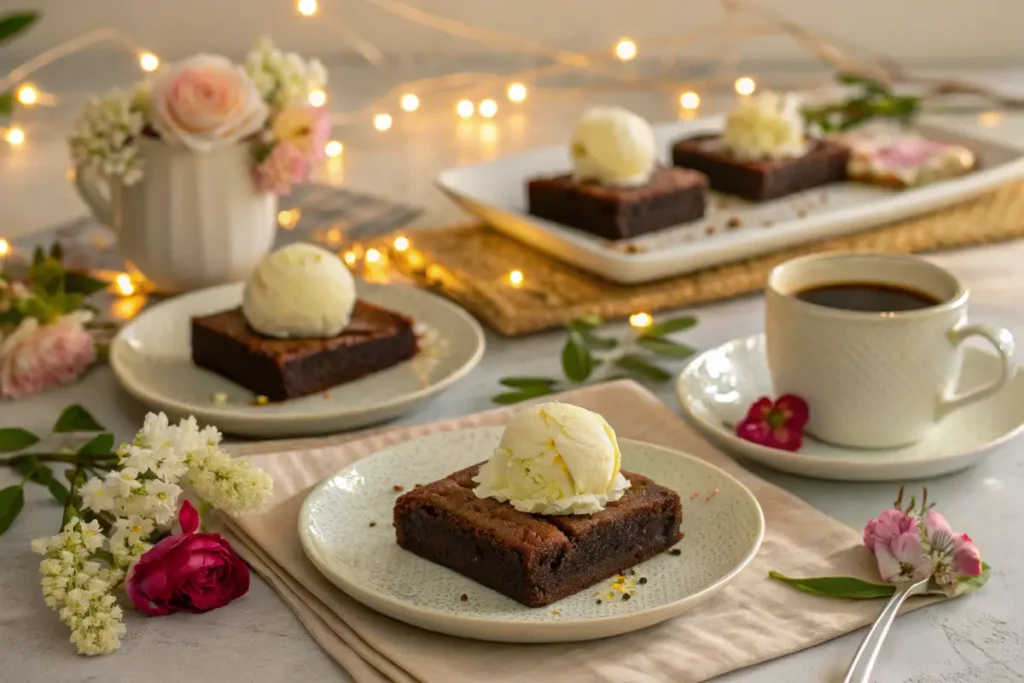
(871, 342)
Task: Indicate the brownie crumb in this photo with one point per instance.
(642, 580)
(632, 572)
(373, 523)
(734, 222)
(599, 601)
(625, 596)
(675, 551)
(710, 230)
(633, 249)
(327, 394)
(464, 598)
(397, 487)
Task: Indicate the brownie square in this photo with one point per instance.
(825, 162)
(279, 369)
(673, 196)
(535, 559)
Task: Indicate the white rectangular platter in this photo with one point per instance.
(732, 229)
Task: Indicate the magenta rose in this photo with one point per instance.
(189, 571)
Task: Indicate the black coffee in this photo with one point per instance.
(868, 296)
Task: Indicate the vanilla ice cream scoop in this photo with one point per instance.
(768, 125)
(554, 459)
(614, 147)
(299, 291)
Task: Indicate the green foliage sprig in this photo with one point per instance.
(588, 355)
(53, 289)
(873, 100)
(12, 25)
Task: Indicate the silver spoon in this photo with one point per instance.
(864, 661)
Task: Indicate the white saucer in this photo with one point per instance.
(718, 386)
(151, 357)
(722, 522)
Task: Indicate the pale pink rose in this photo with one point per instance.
(887, 526)
(206, 102)
(903, 558)
(966, 557)
(284, 166)
(36, 357)
(307, 128)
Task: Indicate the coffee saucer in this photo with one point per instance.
(717, 388)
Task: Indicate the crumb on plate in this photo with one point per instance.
(397, 487)
(261, 400)
(734, 222)
(464, 598)
(220, 398)
(373, 523)
(675, 551)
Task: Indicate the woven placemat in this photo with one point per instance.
(470, 264)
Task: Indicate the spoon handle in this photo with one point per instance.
(864, 661)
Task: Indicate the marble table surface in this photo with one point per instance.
(979, 639)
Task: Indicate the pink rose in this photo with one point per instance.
(284, 166)
(307, 128)
(887, 526)
(903, 558)
(206, 102)
(966, 557)
(189, 571)
(36, 357)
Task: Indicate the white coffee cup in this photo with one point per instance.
(873, 379)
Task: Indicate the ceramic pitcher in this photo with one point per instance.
(193, 220)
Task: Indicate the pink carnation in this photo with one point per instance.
(284, 166)
(37, 357)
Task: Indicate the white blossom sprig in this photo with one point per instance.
(105, 137)
(283, 79)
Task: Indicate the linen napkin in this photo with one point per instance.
(752, 620)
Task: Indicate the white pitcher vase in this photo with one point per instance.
(192, 221)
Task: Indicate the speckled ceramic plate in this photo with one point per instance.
(723, 531)
(151, 357)
(717, 388)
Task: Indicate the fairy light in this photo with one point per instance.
(28, 95)
(745, 85)
(318, 98)
(625, 49)
(689, 100)
(15, 136)
(349, 257)
(401, 243)
(517, 92)
(333, 149)
(515, 278)
(488, 108)
(149, 61)
(372, 256)
(382, 122)
(464, 108)
(307, 8)
(641, 320)
(124, 284)
(5, 248)
(289, 218)
(410, 102)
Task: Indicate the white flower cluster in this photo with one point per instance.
(283, 79)
(105, 136)
(79, 588)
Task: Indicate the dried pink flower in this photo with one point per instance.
(37, 357)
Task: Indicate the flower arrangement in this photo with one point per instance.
(46, 327)
(205, 103)
(116, 528)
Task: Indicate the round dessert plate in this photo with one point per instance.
(718, 386)
(151, 357)
(345, 528)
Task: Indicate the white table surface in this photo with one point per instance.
(979, 639)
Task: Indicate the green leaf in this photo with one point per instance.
(16, 22)
(636, 365)
(58, 491)
(669, 326)
(70, 512)
(665, 347)
(15, 439)
(104, 555)
(971, 584)
(838, 587)
(80, 283)
(510, 397)
(12, 499)
(101, 444)
(589, 322)
(57, 251)
(38, 256)
(527, 382)
(577, 363)
(6, 103)
(76, 419)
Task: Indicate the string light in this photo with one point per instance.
(124, 284)
(401, 243)
(372, 256)
(5, 248)
(488, 108)
(307, 8)
(289, 219)
(149, 61)
(745, 85)
(28, 95)
(625, 49)
(464, 108)
(517, 92)
(515, 278)
(382, 122)
(318, 98)
(350, 258)
(410, 102)
(16, 136)
(689, 100)
(641, 320)
(333, 149)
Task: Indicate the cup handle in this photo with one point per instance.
(95, 192)
(1002, 341)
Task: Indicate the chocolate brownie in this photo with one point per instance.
(535, 559)
(824, 162)
(672, 197)
(279, 369)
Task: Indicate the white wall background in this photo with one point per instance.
(936, 31)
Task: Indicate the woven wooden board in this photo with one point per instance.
(470, 264)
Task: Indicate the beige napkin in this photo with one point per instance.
(752, 620)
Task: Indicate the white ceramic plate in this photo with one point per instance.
(496, 193)
(722, 535)
(151, 357)
(718, 386)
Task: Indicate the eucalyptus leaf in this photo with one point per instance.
(594, 342)
(16, 22)
(669, 326)
(577, 362)
(528, 382)
(15, 439)
(665, 347)
(838, 586)
(101, 444)
(76, 419)
(635, 365)
(12, 500)
(510, 397)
